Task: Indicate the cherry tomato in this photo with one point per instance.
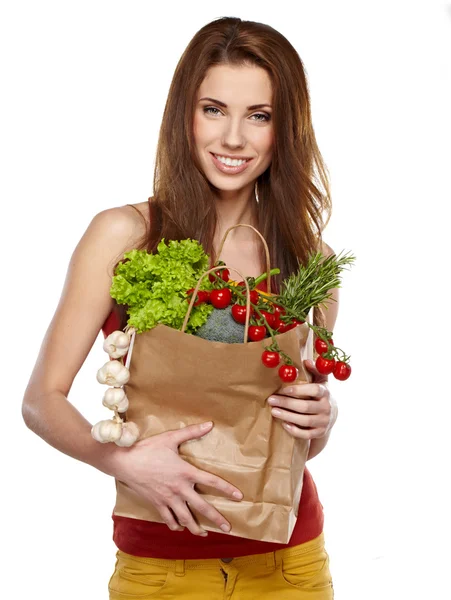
(288, 373)
(270, 318)
(254, 296)
(297, 322)
(220, 298)
(325, 365)
(321, 346)
(283, 327)
(239, 313)
(279, 310)
(222, 274)
(270, 359)
(342, 370)
(257, 332)
(202, 296)
(276, 322)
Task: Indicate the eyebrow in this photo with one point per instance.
(253, 107)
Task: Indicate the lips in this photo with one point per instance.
(227, 169)
(230, 156)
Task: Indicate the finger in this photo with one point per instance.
(202, 506)
(319, 421)
(169, 519)
(205, 478)
(185, 517)
(178, 436)
(306, 407)
(305, 434)
(305, 390)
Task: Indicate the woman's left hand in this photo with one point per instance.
(307, 410)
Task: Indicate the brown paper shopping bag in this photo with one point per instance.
(177, 379)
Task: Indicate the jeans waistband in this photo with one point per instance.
(268, 559)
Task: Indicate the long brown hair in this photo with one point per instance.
(293, 192)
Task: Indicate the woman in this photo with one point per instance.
(236, 145)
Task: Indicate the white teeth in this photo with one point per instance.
(229, 161)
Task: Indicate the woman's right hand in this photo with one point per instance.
(153, 468)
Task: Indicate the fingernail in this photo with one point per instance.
(225, 527)
(204, 534)
(289, 390)
(206, 425)
(237, 495)
(272, 401)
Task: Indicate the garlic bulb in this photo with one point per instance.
(116, 344)
(107, 431)
(113, 373)
(130, 433)
(115, 399)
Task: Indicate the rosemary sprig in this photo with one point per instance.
(311, 284)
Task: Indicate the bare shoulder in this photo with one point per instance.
(332, 303)
(114, 231)
(85, 301)
(326, 250)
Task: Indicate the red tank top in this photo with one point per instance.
(145, 538)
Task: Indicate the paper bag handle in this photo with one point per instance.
(196, 289)
(268, 262)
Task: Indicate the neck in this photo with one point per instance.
(233, 207)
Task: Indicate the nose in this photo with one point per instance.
(233, 135)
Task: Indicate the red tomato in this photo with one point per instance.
(220, 298)
(288, 373)
(276, 321)
(321, 345)
(283, 327)
(297, 322)
(221, 273)
(202, 296)
(342, 370)
(271, 318)
(239, 313)
(270, 359)
(257, 332)
(279, 310)
(254, 296)
(325, 365)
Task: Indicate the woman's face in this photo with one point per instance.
(229, 124)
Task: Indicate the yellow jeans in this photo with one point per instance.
(299, 572)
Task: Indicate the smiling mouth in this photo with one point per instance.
(223, 167)
(229, 169)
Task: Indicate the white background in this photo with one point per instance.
(83, 90)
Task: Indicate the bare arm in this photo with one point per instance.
(84, 306)
(318, 444)
(152, 467)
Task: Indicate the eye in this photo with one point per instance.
(207, 108)
(263, 116)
